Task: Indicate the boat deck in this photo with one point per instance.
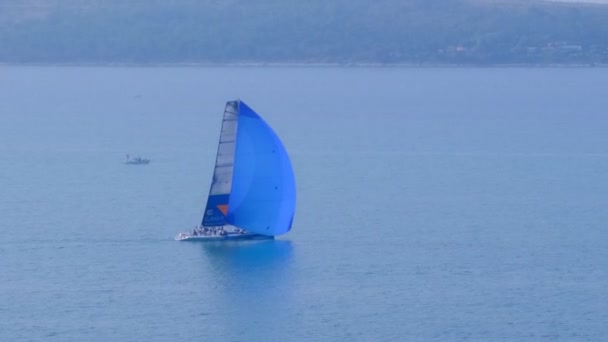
(216, 237)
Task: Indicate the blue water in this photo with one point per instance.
(433, 204)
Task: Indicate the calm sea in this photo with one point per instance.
(433, 204)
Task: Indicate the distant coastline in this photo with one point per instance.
(305, 65)
(315, 33)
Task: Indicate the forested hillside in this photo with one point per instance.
(294, 31)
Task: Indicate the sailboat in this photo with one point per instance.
(253, 189)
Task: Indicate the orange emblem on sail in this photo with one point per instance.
(223, 208)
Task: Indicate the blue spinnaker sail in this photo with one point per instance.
(263, 196)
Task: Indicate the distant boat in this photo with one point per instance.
(253, 190)
(137, 161)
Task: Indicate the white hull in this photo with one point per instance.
(229, 236)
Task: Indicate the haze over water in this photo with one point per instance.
(433, 204)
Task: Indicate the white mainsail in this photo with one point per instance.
(221, 185)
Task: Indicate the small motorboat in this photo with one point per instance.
(137, 161)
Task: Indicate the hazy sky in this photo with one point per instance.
(589, 1)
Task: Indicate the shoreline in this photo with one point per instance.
(304, 65)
